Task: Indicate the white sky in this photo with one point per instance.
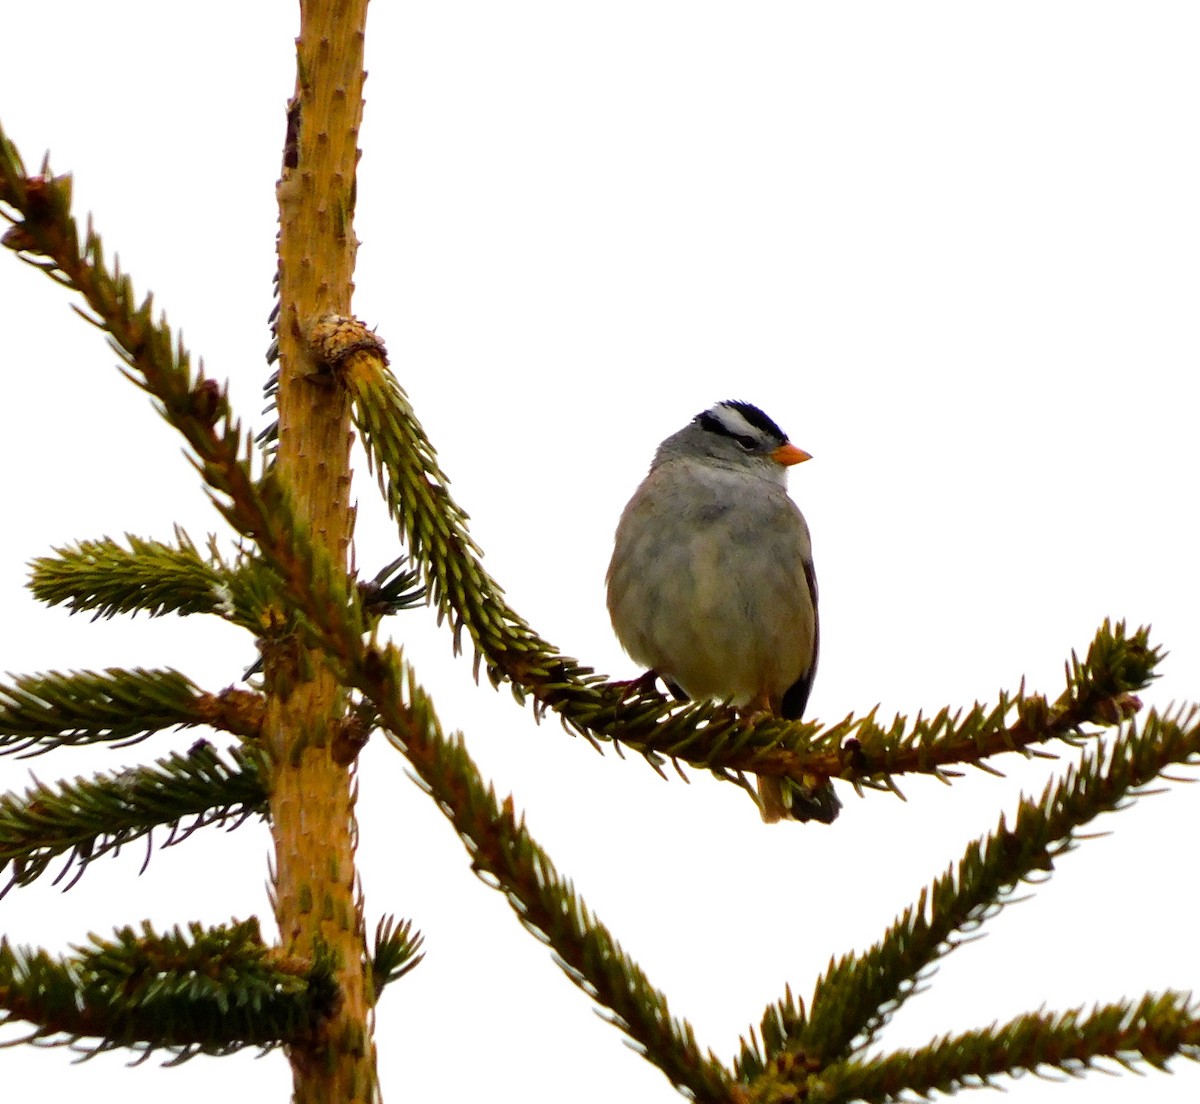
(952, 248)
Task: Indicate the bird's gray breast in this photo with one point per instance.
(708, 584)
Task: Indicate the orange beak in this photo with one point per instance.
(788, 454)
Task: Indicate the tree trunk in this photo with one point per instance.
(317, 902)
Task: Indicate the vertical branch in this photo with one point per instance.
(312, 795)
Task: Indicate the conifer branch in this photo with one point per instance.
(206, 991)
(45, 233)
(1100, 689)
(701, 734)
(435, 526)
(107, 578)
(1149, 1032)
(44, 711)
(505, 857)
(93, 816)
(860, 993)
(238, 712)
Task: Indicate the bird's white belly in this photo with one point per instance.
(719, 632)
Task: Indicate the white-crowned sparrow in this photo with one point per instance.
(711, 584)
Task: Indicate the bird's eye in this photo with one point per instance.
(748, 443)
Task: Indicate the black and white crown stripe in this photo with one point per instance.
(744, 422)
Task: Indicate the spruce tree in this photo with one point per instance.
(281, 745)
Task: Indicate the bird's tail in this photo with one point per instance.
(812, 798)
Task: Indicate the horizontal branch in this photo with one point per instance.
(206, 991)
(94, 816)
(105, 577)
(121, 706)
(1100, 691)
(1149, 1032)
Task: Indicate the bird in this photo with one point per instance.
(711, 584)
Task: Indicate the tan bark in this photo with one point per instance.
(312, 794)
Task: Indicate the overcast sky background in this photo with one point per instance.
(952, 248)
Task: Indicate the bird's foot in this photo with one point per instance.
(642, 686)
